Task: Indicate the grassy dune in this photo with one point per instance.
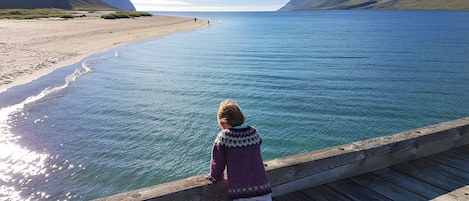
(34, 13)
(125, 14)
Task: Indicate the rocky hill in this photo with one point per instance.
(67, 4)
(121, 4)
(296, 5)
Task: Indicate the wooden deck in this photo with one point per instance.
(443, 176)
(429, 163)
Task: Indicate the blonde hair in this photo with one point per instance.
(230, 112)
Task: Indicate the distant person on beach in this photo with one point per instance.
(195, 20)
(238, 148)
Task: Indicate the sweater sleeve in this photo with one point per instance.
(218, 162)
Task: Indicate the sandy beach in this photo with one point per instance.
(30, 49)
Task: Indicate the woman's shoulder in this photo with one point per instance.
(239, 131)
(238, 137)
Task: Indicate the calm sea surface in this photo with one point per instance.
(145, 113)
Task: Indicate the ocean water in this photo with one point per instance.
(145, 114)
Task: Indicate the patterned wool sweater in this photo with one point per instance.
(238, 149)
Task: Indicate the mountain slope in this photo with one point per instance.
(375, 4)
(30, 4)
(121, 4)
(85, 4)
(67, 4)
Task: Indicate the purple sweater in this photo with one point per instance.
(239, 150)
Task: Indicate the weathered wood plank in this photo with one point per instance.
(436, 176)
(315, 168)
(463, 149)
(463, 152)
(452, 158)
(460, 194)
(412, 184)
(385, 188)
(295, 196)
(324, 193)
(355, 191)
(196, 188)
(463, 175)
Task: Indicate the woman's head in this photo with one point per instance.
(230, 113)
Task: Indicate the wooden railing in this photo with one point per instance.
(296, 172)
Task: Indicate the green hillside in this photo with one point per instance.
(376, 4)
(432, 4)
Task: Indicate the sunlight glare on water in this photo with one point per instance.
(17, 164)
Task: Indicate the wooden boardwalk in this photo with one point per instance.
(429, 163)
(443, 176)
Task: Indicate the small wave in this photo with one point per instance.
(85, 68)
(76, 74)
(5, 112)
(70, 78)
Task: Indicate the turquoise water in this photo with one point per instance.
(145, 113)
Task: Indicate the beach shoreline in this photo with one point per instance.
(30, 49)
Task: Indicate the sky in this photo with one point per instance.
(208, 5)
